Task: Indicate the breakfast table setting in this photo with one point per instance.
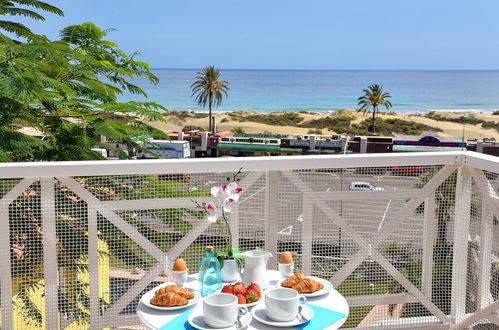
(257, 299)
(235, 290)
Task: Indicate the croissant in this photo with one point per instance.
(293, 280)
(176, 289)
(307, 285)
(169, 299)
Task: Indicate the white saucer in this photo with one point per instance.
(196, 320)
(261, 316)
(327, 287)
(146, 300)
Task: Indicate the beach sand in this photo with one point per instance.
(449, 129)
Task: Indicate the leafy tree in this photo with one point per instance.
(68, 90)
(373, 97)
(209, 90)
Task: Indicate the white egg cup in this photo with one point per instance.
(286, 269)
(180, 277)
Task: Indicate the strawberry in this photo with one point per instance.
(241, 299)
(228, 289)
(239, 288)
(251, 296)
(256, 288)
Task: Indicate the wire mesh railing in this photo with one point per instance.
(409, 240)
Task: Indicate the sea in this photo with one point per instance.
(329, 90)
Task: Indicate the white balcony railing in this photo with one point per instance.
(80, 241)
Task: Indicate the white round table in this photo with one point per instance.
(154, 319)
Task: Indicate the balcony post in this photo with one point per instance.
(49, 253)
(5, 274)
(428, 243)
(93, 268)
(460, 248)
(272, 179)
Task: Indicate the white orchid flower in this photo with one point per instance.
(226, 195)
(212, 212)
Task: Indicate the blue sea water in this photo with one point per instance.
(267, 90)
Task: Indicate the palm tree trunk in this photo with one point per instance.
(210, 121)
(375, 109)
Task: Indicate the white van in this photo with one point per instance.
(363, 186)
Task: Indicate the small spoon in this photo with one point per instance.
(303, 318)
(239, 325)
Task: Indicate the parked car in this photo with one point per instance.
(363, 186)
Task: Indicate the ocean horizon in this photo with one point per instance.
(413, 91)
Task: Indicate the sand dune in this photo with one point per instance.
(449, 129)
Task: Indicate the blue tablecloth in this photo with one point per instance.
(323, 317)
(180, 322)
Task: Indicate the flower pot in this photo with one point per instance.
(230, 271)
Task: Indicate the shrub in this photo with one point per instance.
(390, 126)
(315, 131)
(187, 128)
(491, 124)
(238, 130)
(285, 119)
(337, 123)
(224, 120)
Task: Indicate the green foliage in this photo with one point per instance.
(209, 89)
(10, 8)
(284, 119)
(238, 130)
(68, 90)
(315, 131)
(491, 125)
(188, 128)
(373, 97)
(337, 122)
(470, 119)
(390, 126)
(467, 119)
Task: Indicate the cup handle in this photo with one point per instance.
(242, 310)
(302, 300)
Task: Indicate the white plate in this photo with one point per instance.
(196, 320)
(253, 303)
(327, 287)
(146, 300)
(260, 315)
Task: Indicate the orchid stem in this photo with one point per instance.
(229, 243)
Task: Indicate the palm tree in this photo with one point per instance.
(209, 90)
(374, 97)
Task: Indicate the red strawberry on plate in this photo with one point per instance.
(228, 289)
(241, 300)
(240, 289)
(252, 296)
(256, 288)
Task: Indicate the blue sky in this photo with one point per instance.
(289, 34)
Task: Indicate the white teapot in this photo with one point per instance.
(255, 267)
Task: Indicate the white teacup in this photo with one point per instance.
(179, 277)
(220, 310)
(286, 269)
(281, 304)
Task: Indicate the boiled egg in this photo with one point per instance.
(286, 258)
(180, 265)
